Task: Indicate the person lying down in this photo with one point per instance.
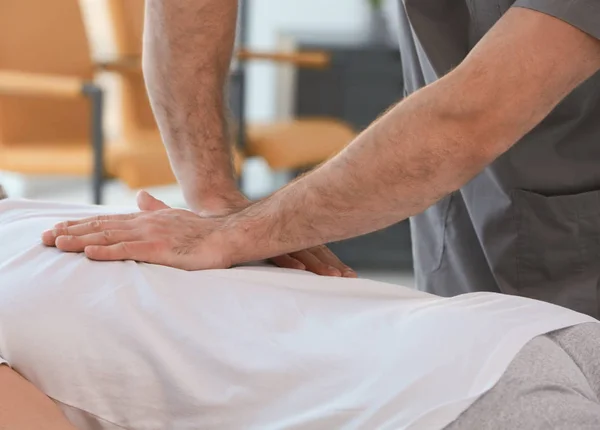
(122, 345)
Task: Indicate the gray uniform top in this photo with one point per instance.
(529, 224)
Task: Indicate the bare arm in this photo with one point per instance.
(187, 52)
(430, 144)
(424, 148)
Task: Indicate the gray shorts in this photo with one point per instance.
(552, 384)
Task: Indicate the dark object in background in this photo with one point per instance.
(363, 81)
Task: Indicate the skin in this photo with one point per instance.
(423, 148)
(186, 90)
(24, 407)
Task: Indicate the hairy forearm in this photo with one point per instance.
(430, 144)
(187, 52)
(412, 156)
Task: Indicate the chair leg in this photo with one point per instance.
(96, 96)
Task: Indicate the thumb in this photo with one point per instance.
(148, 203)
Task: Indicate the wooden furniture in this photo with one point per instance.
(288, 145)
(142, 145)
(47, 123)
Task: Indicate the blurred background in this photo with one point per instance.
(307, 77)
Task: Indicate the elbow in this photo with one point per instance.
(470, 145)
(477, 133)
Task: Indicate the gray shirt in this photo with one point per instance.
(529, 224)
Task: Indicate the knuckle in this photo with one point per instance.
(125, 247)
(149, 215)
(322, 267)
(158, 246)
(155, 227)
(60, 231)
(96, 224)
(319, 248)
(152, 229)
(296, 255)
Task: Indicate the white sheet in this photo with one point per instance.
(149, 347)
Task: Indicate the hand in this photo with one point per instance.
(158, 234)
(319, 259)
(173, 237)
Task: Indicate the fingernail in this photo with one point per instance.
(334, 272)
(61, 241)
(300, 266)
(349, 274)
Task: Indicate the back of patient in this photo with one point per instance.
(149, 347)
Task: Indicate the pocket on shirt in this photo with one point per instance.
(428, 231)
(558, 248)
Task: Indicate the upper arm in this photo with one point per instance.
(523, 67)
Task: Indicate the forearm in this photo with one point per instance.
(412, 156)
(424, 148)
(430, 144)
(187, 52)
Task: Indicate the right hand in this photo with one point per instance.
(319, 259)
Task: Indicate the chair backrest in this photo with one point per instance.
(43, 36)
(128, 24)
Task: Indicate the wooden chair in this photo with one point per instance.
(47, 123)
(287, 145)
(142, 155)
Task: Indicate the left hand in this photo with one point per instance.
(170, 237)
(178, 238)
(319, 259)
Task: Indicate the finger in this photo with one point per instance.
(327, 256)
(147, 202)
(142, 251)
(104, 238)
(49, 236)
(109, 217)
(313, 264)
(288, 262)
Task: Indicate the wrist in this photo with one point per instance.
(251, 234)
(219, 203)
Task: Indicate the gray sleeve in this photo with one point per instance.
(583, 14)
